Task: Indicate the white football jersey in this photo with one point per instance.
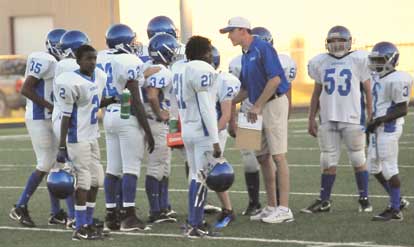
(80, 97)
(40, 65)
(64, 65)
(227, 87)
(163, 81)
(143, 54)
(173, 103)
(388, 91)
(289, 66)
(235, 66)
(193, 87)
(126, 67)
(341, 78)
(103, 61)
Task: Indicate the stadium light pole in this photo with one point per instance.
(186, 20)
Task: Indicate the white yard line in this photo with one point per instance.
(231, 191)
(182, 165)
(238, 239)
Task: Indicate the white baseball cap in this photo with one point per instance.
(236, 22)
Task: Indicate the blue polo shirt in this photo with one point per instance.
(260, 64)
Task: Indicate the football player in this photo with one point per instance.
(68, 44)
(164, 24)
(126, 138)
(342, 79)
(163, 48)
(391, 94)
(192, 84)
(37, 88)
(79, 98)
(250, 162)
(226, 87)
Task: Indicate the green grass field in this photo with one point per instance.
(343, 226)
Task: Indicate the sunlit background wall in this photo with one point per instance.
(299, 27)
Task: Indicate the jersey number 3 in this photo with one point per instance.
(329, 81)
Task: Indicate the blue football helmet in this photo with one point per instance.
(221, 177)
(71, 41)
(122, 38)
(161, 24)
(338, 41)
(52, 41)
(263, 34)
(163, 48)
(216, 57)
(61, 183)
(383, 58)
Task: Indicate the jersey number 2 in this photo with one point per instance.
(94, 116)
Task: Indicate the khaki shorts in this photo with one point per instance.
(275, 126)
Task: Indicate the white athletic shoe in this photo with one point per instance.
(266, 211)
(279, 216)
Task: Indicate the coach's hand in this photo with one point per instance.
(150, 141)
(216, 150)
(62, 155)
(252, 114)
(313, 128)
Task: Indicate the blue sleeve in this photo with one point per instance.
(271, 62)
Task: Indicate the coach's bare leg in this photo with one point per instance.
(284, 179)
(268, 171)
(225, 200)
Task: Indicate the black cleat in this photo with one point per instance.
(60, 218)
(389, 214)
(317, 207)
(71, 224)
(364, 205)
(96, 229)
(194, 232)
(21, 214)
(112, 222)
(252, 209)
(170, 213)
(85, 233)
(130, 221)
(160, 218)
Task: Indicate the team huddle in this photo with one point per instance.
(150, 93)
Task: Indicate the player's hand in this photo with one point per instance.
(62, 155)
(149, 139)
(216, 150)
(372, 126)
(164, 116)
(252, 114)
(231, 128)
(151, 70)
(313, 128)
